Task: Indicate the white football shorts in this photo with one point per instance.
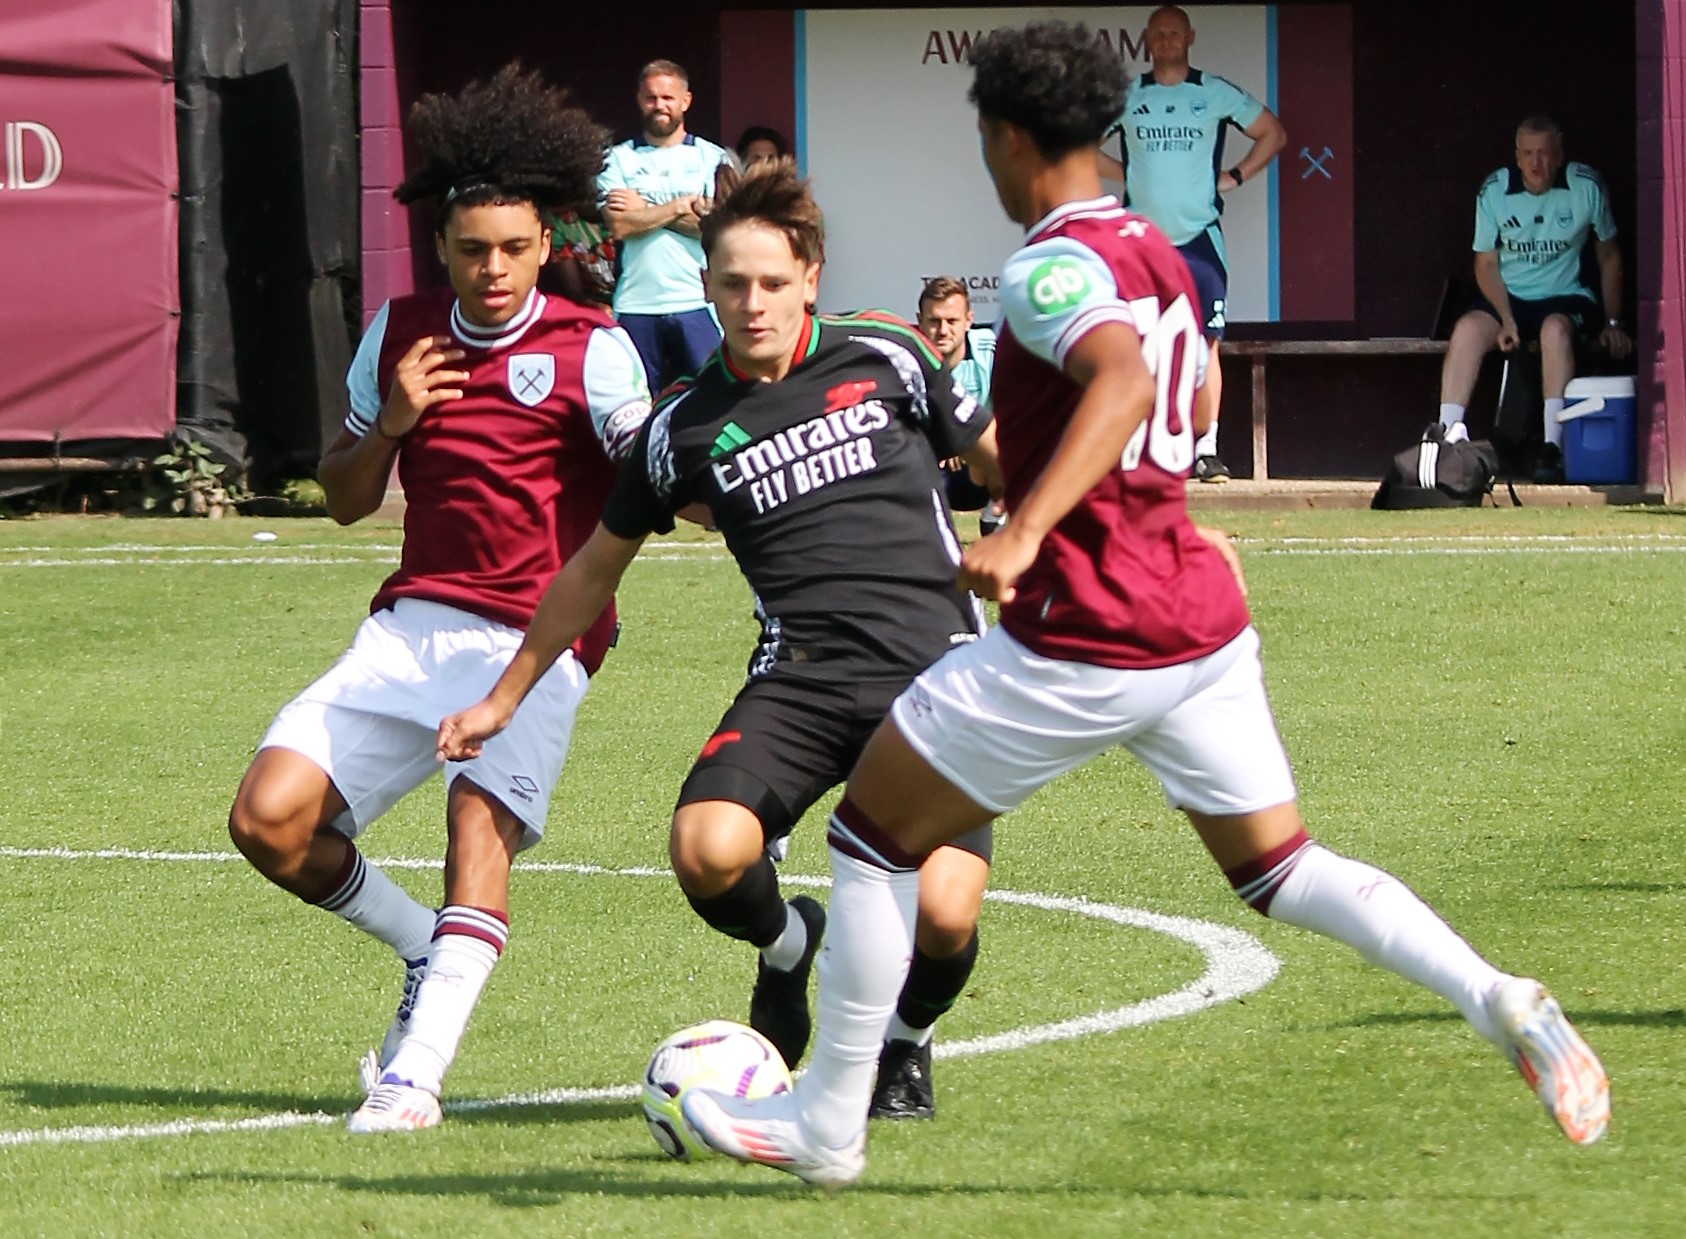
(371, 720)
(998, 721)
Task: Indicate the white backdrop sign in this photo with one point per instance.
(892, 146)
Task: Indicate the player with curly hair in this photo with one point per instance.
(1119, 627)
(504, 412)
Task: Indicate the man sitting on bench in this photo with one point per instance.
(1531, 223)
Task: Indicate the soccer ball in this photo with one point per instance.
(717, 1055)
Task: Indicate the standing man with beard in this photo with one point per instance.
(654, 191)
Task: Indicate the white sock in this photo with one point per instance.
(1553, 427)
(785, 951)
(1207, 444)
(466, 947)
(1382, 919)
(862, 966)
(379, 906)
(1451, 415)
(900, 1030)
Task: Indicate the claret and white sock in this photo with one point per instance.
(1303, 883)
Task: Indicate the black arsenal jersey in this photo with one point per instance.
(826, 488)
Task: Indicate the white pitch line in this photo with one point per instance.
(259, 559)
(1237, 964)
(152, 1131)
(1469, 538)
(1344, 552)
(706, 552)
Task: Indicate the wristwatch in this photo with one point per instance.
(1235, 175)
(1613, 322)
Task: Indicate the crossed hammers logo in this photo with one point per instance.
(1314, 163)
(529, 380)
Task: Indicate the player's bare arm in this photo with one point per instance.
(1118, 395)
(984, 461)
(1493, 288)
(570, 606)
(1614, 338)
(626, 214)
(1269, 137)
(354, 470)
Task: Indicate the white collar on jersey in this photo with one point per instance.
(504, 333)
(1106, 204)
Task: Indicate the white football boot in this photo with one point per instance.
(393, 1105)
(771, 1133)
(1553, 1058)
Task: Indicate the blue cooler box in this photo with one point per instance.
(1597, 421)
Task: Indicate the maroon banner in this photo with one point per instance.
(88, 279)
(1314, 174)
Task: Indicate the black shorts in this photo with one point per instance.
(964, 495)
(1581, 312)
(1211, 283)
(790, 738)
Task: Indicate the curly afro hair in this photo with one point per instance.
(1056, 81)
(512, 139)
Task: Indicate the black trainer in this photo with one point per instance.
(903, 1090)
(778, 1009)
(1548, 465)
(1211, 469)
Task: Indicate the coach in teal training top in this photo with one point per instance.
(1532, 221)
(1171, 149)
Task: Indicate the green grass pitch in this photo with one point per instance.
(1486, 703)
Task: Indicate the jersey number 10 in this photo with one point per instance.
(1169, 344)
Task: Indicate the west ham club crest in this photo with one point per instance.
(532, 377)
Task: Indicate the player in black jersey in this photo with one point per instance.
(813, 442)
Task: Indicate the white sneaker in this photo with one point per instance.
(1557, 1064)
(770, 1133)
(414, 971)
(369, 1072)
(393, 1105)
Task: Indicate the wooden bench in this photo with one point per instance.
(1261, 351)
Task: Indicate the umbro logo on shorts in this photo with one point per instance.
(522, 786)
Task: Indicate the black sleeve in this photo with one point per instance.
(953, 419)
(642, 501)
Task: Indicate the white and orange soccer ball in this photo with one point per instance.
(717, 1055)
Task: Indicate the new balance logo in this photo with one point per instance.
(731, 437)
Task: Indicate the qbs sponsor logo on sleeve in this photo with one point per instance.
(1057, 285)
(34, 158)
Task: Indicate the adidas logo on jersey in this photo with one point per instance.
(1143, 110)
(731, 437)
(1513, 222)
